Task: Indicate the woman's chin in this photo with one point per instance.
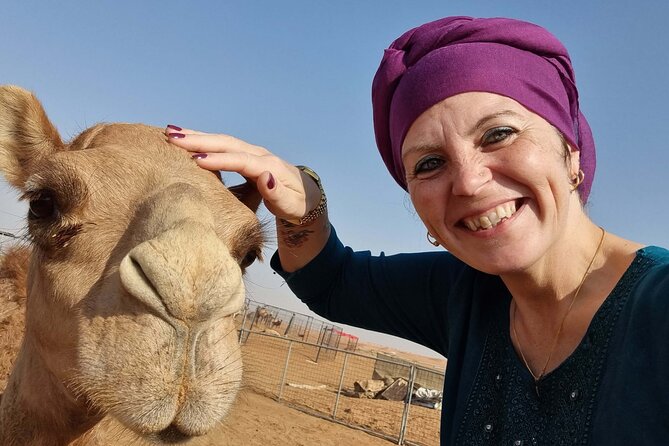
(499, 261)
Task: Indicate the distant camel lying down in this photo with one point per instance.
(135, 273)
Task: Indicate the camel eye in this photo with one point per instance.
(248, 259)
(43, 206)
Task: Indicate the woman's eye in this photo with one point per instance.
(42, 207)
(428, 164)
(497, 134)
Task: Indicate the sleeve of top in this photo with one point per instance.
(405, 295)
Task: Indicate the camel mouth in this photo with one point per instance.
(172, 435)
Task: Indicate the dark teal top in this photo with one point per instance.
(613, 390)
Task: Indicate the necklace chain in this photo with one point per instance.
(557, 335)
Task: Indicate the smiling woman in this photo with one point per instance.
(554, 329)
(492, 186)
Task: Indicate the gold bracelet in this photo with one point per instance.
(322, 204)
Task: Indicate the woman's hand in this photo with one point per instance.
(288, 193)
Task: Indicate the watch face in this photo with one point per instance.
(312, 174)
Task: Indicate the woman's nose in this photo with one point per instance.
(469, 176)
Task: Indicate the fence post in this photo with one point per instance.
(341, 383)
(253, 319)
(338, 338)
(285, 370)
(241, 330)
(407, 403)
(307, 329)
(290, 324)
(321, 341)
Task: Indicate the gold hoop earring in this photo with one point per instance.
(432, 241)
(576, 180)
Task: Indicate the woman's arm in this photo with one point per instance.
(406, 295)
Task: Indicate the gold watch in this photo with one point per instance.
(322, 205)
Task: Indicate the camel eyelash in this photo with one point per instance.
(63, 236)
(32, 194)
(53, 236)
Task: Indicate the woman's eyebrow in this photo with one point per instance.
(430, 147)
(504, 113)
(420, 149)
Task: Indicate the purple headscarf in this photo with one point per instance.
(454, 55)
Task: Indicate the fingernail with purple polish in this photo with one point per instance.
(174, 127)
(199, 156)
(270, 182)
(176, 135)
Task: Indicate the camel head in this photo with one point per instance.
(136, 271)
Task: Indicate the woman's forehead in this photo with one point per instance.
(466, 112)
(473, 104)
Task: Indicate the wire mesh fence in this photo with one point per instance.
(257, 316)
(380, 395)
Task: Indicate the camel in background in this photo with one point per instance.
(262, 316)
(136, 265)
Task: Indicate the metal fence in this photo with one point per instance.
(285, 369)
(258, 316)
(391, 366)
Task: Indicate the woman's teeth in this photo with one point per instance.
(491, 218)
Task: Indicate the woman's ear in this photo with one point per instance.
(26, 134)
(573, 160)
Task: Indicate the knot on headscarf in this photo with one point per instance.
(454, 55)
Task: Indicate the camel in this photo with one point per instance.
(276, 323)
(136, 268)
(262, 316)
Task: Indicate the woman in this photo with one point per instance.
(554, 328)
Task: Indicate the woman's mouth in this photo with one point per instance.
(491, 218)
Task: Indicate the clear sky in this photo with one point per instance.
(295, 77)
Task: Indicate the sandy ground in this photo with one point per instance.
(257, 420)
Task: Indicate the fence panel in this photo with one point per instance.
(264, 359)
(258, 316)
(425, 411)
(362, 409)
(285, 369)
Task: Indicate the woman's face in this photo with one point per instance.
(490, 181)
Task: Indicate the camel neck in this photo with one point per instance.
(36, 408)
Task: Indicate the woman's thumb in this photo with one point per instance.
(270, 189)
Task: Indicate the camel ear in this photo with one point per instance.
(26, 134)
(248, 194)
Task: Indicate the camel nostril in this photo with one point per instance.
(138, 282)
(142, 274)
(135, 279)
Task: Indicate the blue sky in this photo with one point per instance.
(295, 77)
